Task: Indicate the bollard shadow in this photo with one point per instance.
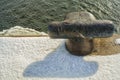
(61, 64)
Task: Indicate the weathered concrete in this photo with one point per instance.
(19, 31)
(45, 59)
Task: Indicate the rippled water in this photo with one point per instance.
(38, 13)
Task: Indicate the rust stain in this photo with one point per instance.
(106, 46)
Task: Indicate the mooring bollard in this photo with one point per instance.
(81, 28)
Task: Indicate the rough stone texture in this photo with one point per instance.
(38, 13)
(19, 31)
(38, 59)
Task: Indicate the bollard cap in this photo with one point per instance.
(81, 24)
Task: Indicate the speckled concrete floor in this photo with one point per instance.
(42, 58)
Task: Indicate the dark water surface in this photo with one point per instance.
(37, 14)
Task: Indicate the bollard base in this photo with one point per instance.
(97, 46)
(80, 47)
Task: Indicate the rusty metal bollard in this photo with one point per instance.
(81, 28)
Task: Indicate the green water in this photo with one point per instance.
(37, 14)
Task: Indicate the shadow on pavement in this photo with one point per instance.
(61, 64)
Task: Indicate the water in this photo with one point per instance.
(37, 14)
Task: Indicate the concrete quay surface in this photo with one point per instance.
(42, 58)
